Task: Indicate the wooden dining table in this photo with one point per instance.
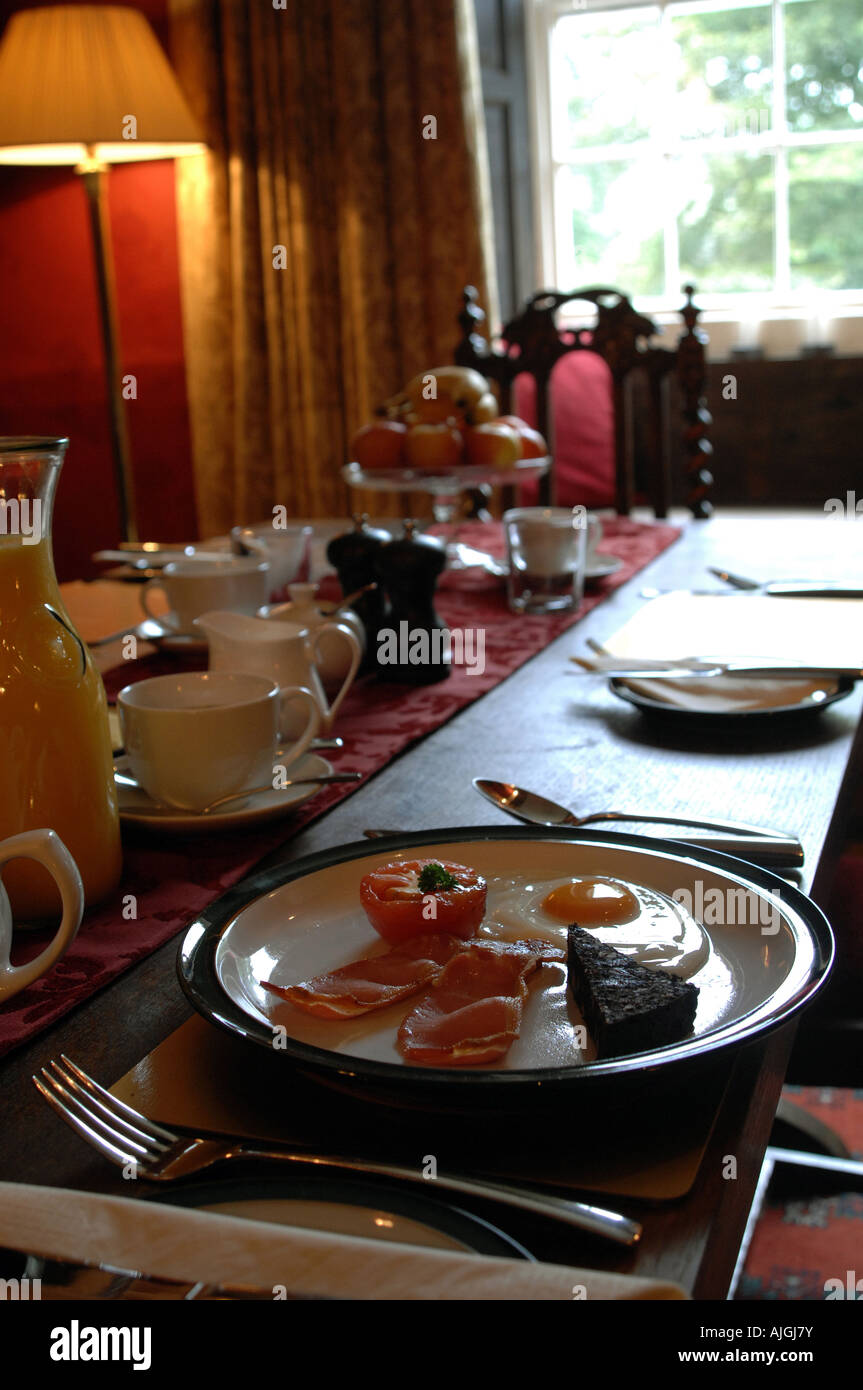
(574, 741)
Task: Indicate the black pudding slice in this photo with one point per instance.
(628, 1007)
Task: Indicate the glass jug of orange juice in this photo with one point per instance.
(55, 745)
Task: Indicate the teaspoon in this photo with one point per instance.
(749, 841)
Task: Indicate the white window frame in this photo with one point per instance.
(781, 321)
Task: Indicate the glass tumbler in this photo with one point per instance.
(546, 549)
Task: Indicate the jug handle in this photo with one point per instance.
(311, 644)
(46, 847)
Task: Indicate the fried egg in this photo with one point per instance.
(639, 921)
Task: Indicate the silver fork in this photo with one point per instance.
(129, 1139)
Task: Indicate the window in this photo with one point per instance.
(717, 141)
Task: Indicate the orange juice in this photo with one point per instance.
(55, 746)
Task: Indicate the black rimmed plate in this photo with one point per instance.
(814, 702)
(303, 918)
(371, 1209)
(364, 1208)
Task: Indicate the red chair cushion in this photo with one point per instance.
(583, 419)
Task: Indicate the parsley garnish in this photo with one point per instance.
(433, 878)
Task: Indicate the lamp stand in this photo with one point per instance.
(95, 184)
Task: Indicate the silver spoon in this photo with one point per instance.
(124, 780)
(750, 841)
(149, 630)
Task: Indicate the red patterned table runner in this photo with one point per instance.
(170, 880)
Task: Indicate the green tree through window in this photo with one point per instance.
(718, 142)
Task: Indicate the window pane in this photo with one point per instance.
(824, 65)
(725, 222)
(724, 65)
(606, 77)
(615, 213)
(826, 216)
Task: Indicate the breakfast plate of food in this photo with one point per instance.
(497, 962)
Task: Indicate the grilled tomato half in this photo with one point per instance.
(412, 897)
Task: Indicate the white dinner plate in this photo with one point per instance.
(307, 919)
(137, 807)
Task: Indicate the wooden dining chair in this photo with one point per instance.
(645, 383)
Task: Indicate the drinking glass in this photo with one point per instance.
(546, 548)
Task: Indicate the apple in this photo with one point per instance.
(533, 445)
(443, 393)
(380, 445)
(483, 410)
(463, 384)
(493, 445)
(433, 446)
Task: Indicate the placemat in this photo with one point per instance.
(168, 881)
(202, 1077)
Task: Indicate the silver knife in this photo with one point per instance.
(646, 669)
(792, 588)
(770, 851)
(157, 559)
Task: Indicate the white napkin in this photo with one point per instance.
(676, 626)
(201, 1247)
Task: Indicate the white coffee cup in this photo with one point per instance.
(594, 536)
(546, 553)
(195, 737)
(194, 587)
(46, 847)
(579, 516)
(283, 547)
(547, 537)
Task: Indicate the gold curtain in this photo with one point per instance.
(317, 119)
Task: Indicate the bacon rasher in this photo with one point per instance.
(472, 1013)
(373, 983)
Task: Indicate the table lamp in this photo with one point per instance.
(89, 86)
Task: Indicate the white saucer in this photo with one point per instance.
(601, 566)
(169, 638)
(495, 571)
(137, 807)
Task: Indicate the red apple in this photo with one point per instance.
(380, 445)
(493, 445)
(433, 446)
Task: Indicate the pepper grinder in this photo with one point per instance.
(413, 648)
(353, 555)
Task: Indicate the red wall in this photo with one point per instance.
(52, 376)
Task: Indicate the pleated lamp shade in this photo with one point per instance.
(84, 84)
